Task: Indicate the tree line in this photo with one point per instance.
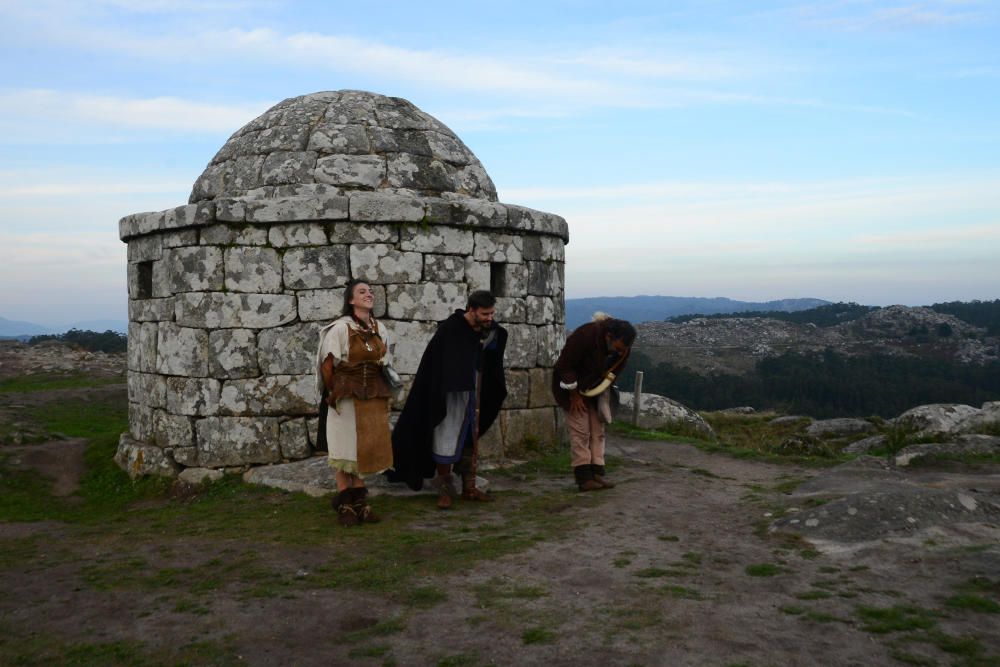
(827, 384)
(92, 341)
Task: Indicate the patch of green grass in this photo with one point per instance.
(692, 558)
(537, 636)
(898, 618)
(374, 651)
(459, 660)
(813, 595)
(621, 562)
(792, 610)
(764, 570)
(425, 597)
(981, 584)
(390, 626)
(43, 382)
(975, 603)
(679, 592)
(689, 436)
(652, 573)
(668, 538)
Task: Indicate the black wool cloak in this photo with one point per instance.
(447, 365)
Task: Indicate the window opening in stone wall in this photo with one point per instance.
(498, 278)
(144, 280)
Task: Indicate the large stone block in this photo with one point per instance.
(162, 278)
(530, 429)
(540, 393)
(140, 421)
(172, 431)
(545, 278)
(389, 140)
(437, 239)
(539, 248)
(297, 208)
(134, 353)
(196, 397)
(289, 350)
(354, 232)
(139, 459)
(230, 235)
(181, 350)
(145, 248)
(316, 268)
(530, 220)
(518, 388)
(148, 340)
(339, 139)
(410, 339)
(189, 215)
(381, 207)
(217, 310)
(251, 269)
(283, 167)
(235, 441)
(551, 339)
(270, 395)
(294, 440)
(197, 269)
(522, 346)
(444, 268)
(150, 310)
(366, 171)
(477, 213)
(477, 274)
(417, 172)
(232, 353)
(494, 247)
(541, 309)
(178, 238)
(512, 280)
(380, 263)
(427, 301)
(297, 234)
(510, 311)
(447, 147)
(148, 388)
(320, 305)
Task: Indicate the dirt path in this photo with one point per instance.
(659, 573)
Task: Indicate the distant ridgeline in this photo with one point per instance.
(838, 359)
(92, 341)
(645, 308)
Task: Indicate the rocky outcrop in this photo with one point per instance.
(935, 419)
(662, 413)
(734, 345)
(839, 427)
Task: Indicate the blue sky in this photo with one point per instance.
(845, 150)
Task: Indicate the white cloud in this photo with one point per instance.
(55, 112)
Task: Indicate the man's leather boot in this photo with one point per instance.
(445, 486)
(469, 490)
(598, 471)
(585, 478)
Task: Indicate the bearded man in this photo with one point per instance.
(455, 397)
(593, 355)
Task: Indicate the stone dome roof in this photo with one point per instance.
(343, 140)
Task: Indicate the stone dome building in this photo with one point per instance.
(227, 293)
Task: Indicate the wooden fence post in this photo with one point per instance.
(637, 398)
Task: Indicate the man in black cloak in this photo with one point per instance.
(455, 397)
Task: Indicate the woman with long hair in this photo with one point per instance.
(352, 353)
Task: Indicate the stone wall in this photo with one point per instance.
(226, 298)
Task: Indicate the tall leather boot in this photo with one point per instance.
(598, 471)
(361, 507)
(343, 502)
(445, 485)
(585, 478)
(468, 467)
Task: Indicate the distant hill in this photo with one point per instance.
(23, 330)
(18, 329)
(645, 308)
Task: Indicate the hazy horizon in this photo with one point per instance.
(844, 151)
